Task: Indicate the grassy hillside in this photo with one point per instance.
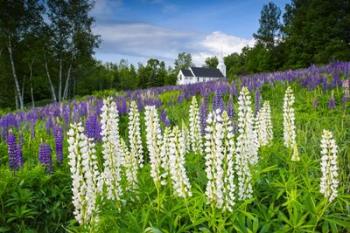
(37, 197)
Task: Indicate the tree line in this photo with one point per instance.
(309, 32)
(47, 48)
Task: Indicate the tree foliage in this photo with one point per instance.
(47, 48)
(211, 62)
(183, 61)
(309, 32)
(269, 29)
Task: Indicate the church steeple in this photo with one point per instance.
(221, 66)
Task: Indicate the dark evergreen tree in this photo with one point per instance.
(269, 30)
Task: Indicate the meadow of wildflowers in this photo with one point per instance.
(266, 153)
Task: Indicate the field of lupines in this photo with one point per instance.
(265, 153)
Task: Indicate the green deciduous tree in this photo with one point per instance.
(211, 62)
(183, 61)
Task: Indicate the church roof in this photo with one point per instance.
(186, 72)
(207, 72)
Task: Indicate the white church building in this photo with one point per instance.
(201, 74)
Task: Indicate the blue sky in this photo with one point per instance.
(137, 30)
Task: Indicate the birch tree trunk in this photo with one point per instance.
(60, 81)
(14, 74)
(16, 100)
(31, 83)
(23, 83)
(52, 88)
(65, 94)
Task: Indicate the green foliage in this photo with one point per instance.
(169, 97)
(313, 32)
(316, 31)
(183, 61)
(33, 201)
(270, 26)
(211, 62)
(286, 194)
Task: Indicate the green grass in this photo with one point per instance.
(286, 194)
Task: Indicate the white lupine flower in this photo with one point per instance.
(86, 181)
(247, 139)
(228, 163)
(219, 152)
(329, 168)
(247, 145)
(186, 136)
(180, 181)
(268, 120)
(112, 155)
(213, 158)
(135, 133)
(154, 142)
(164, 156)
(195, 127)
(264, 125)
(131, 164)
(288, 119)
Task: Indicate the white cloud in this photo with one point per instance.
(143, 41)
(105, 9)
(220, 44)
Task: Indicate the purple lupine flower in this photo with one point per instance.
(345, 99)
(58, 135)
(93, 128)
(218, 102)
(32, 128)
(99, 105)
(234, 91)
(203, 115)
(20, 155)
(164, 118)
(76, 115)
(45, 156)
(66, 114)
(336, 81)
(230, 110)
(331, 103)
(181, 98)
(139, 104)
(14, 152)
(49, 125)
(122, 106)
(257, 100)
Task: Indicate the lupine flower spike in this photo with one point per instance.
(247, 145)
(45, 156)
(219, 157)
(186, 136)
(111, 149)
(154, 142)
(86, 180)
(58, 135)
(131, 164)
(195, 127)
(14, 152)
(135, 133)
(177, 150)
(329, 168)
(264, 124)
(164, 156)
(288, 119)
(289, 134)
